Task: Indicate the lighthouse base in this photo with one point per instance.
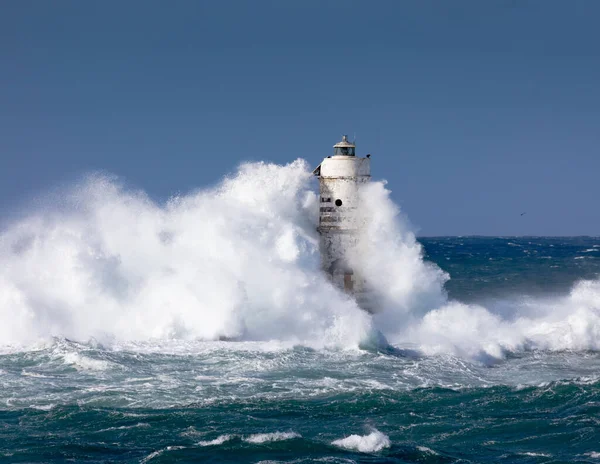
(336, 245)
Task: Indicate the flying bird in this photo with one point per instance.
(523, 213)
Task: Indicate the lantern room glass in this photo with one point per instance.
(344, 151)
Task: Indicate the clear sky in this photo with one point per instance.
(474, 111)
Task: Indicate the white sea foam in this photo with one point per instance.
(43, 407)
(373, 442)
(568, 323)
(160, 452)
(125, 427)
(217, 441)
(260, 438)
(81, 362)
(25, 373)
(240, 261)
(237, 261)
(426, 450)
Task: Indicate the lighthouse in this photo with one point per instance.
(340, 177)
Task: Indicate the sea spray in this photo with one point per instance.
(414, 308)
(570, 322)
(373, 442)
(240, 261)
(405, 285)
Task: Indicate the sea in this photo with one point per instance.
(200, 329)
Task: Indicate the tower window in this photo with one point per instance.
(338, 202)
(348, 283)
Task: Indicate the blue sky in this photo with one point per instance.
(474, 111)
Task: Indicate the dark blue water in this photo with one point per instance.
(496, 267)
(532, 398)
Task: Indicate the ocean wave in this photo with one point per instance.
(81, 362)
(476, 332)
(160, 452)
(217, 441)
(125, 427)
(260, 438)
(371, 443)
(426, 450)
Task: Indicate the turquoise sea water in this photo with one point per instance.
(176, 400)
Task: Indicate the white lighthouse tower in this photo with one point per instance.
(340, 177)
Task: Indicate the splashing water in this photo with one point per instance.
(240, 261)
(373, 442)
(236, 261)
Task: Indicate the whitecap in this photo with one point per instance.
(81, 362)
(125, 427)
(217, 441)
(155, 454)
(373, 442)
(259, 438)
(43, 407)
(25, 373)
(426, 450)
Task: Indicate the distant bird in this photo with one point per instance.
(523, 213)
(369, 155)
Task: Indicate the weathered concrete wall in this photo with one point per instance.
(340, 178)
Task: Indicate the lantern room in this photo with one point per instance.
(344, 148)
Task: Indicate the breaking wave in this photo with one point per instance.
(373, 442)
(235, 261)
(260, 438)
(217, 441)
(240, 261)
(571, 322)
